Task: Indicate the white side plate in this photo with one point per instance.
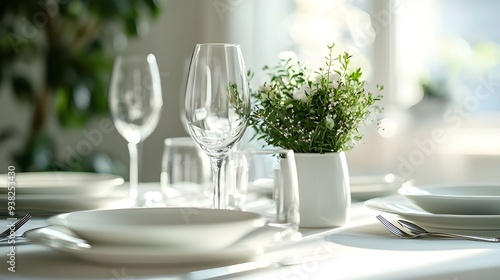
(403, 207)
(371, 186)
(461, 199)
(60, 183)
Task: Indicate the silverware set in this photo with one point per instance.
(416, 231)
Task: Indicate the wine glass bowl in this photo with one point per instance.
(135, 100)
(135, 97)
(217, 103)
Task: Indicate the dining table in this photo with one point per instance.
(361, 249)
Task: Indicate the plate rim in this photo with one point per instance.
(251, 215)
(101, 178)
(406, 190)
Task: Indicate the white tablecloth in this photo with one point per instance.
(363, 249)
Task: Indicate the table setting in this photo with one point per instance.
(223, 210)
(320, 254)
(362, 239)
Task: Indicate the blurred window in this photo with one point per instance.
(444, 50)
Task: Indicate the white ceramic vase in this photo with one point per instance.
(324, 190)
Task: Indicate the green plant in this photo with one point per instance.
(71, 47)
(314, 112)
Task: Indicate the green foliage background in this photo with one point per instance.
(74, 43)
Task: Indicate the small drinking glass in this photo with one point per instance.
(265, 182)
(135, 100)
(185, 173)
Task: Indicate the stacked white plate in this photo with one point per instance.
(364, 187)
(471, 206)
(57, 192)
(156, 235)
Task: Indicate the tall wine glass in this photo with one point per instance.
(217, 104)
(135, 101)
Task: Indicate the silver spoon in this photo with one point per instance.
(416, 229)
(57, 236)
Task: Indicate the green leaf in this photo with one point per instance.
(153, 7)
(68, 113)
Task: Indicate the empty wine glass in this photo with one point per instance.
(135, 101)
(217, 104)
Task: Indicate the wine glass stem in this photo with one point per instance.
(134, 152)
(218, 202)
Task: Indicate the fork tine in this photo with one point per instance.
(23, 221)
(392, 228)
(24, 218)
(19, 223)
(5, 233)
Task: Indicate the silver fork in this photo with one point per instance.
(19, 223)
(394, 229)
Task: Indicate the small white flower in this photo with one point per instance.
(265, 92)
(329, 122)
(316, 78)
(334, 77)
(265, 88)
(300, 94)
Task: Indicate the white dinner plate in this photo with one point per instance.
(461, 199)
(256, 242)
(364, 187)
(56, 204)
(176, 227)
(60, 183)
(401, 206)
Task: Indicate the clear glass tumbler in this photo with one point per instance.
(264, 182)
(185, 173)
